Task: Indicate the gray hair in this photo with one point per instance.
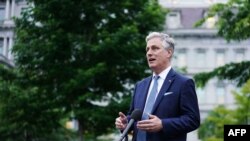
(167, 41)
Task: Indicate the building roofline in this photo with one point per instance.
(189, 3)
(192, 32)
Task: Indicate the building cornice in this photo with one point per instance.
(192, 32)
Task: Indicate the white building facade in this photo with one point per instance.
(201, 50)
(8, 10)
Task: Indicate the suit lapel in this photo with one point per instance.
(144, 92)
(165, 86)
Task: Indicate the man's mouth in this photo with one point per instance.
(151, 59)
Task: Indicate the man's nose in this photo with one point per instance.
(149, 52)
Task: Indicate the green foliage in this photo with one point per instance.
(212, 127)
(233, 19)
(24, 111)
(243, 102)
(70, 54)
(233, 24)
(239, 72)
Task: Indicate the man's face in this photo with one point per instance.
(158, 58)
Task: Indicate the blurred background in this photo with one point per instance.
(68, 67)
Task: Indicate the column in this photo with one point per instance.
(1, 46)
(211, 57)
(7, 10)
(211, 92)
(190, 59)
(13, 8)
(247, 57)
(4, 46)
(230, 54)
(10, 48)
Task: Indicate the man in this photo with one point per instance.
(175, 110)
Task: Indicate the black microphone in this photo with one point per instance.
(136, 115)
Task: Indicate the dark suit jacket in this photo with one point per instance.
(176, 105)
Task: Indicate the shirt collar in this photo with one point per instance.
(164, 73)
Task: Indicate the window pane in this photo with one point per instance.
(201, 95)
(173, 20)
(2, 13)
(220, 93)
(201, 58)
(239, 55)
(181, 58)
(1, 45)
(220, 58)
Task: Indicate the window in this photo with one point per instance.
(173, 20)
(239, 55)
(220, 57)
(2, 14)
(220, 93)
(201, 95)
(181, 58)
(201, 58)
(1, 46)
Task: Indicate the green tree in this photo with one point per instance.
(233, 24)
(71, 54)
(212, 127)
(24, 111)
(233, 19)
(243, 104)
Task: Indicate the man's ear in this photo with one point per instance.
(170, 51)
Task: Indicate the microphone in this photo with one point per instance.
(136, 115)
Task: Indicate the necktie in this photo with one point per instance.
(141, 135)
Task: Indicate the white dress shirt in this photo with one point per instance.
(160, 81)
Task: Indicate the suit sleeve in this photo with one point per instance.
(189, 118)
(131, 109)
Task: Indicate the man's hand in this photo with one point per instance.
(121, 121)
(153, 124)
